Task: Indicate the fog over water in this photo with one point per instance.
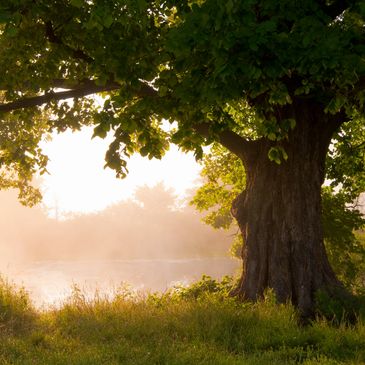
(149, 242)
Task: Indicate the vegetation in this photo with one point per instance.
(195, 325)
(273, 81)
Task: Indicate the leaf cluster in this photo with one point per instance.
(345, 249)
(224, 179)
(346, 159)
(272, 51)
(20, 154)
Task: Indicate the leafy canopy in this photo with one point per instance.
(221, 70)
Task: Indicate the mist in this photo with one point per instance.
(151, 241)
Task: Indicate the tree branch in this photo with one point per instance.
(86, 87)
(29, 102)
(235, 143)
(229, 139)
(53, 38)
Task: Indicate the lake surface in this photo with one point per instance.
(50, 282)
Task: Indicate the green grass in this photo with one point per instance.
(199, 325)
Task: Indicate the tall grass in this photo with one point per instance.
(195, 325)
(16, 310)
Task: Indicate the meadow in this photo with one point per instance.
(199, 324)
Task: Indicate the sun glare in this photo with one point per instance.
(78, 182)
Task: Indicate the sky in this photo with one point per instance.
(78, 183)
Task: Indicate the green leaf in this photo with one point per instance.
(271, 136)
(144, 151)
(108, 20)
(11, 31)
(162, 90)
(4, 17)
(101, 130)
(283, 153)
(77, 3)
(229, 6)
(274, 155)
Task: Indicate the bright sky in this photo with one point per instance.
(79, 183)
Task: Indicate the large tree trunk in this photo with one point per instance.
(279, 215)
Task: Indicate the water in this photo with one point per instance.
(50, 282)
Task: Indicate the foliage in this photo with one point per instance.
(20, 154)
(256, 76)
(206, 286)
(203, 329)
(209, 66)
(224, 179)
(52, 44)
(346, 160)
(345, 250)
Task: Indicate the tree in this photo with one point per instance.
(224, 178)
(270, 81)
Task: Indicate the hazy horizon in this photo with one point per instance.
(109, 245)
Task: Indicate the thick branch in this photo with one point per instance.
(229, 139)
(55, 96)
(235, 143)
(71, 84)
(87, 87)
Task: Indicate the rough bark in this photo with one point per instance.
(279, 215)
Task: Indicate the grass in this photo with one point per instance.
(198, 325)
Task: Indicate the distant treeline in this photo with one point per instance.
(150, 226)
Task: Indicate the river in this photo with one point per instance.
(50, 282)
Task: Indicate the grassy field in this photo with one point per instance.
(198, 325)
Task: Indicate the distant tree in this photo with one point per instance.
(272, 81)
(156, 198)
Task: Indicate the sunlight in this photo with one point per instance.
(78, 182)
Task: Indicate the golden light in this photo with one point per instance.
(78, 182)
